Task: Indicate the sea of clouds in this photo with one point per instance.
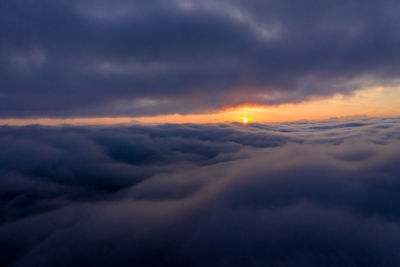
(285, 194)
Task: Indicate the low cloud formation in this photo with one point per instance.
(112, 58)
(302, 193)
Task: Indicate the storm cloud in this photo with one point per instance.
(301, 193)
(100, 58)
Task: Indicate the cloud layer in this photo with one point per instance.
(304, 193)
(100, 58)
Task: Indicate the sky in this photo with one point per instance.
(199, 133)
(197, 61)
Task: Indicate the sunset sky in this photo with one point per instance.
(199, 133)
(370, 102)
(197, 61)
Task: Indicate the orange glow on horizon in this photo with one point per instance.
(370, 102)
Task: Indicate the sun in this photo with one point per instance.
(245, 120)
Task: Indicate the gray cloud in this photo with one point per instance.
(301, 193)
(97, 58)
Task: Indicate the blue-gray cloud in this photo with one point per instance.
(101, 58)
(302, 193)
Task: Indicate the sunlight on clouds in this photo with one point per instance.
(371, 102)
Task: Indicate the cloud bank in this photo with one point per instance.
(304, 193)
(100, 58)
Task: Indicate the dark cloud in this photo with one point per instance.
(303, 193)
(101, 58)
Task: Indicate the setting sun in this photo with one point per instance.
(245, 120)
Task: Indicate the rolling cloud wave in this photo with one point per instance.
(311, 193)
